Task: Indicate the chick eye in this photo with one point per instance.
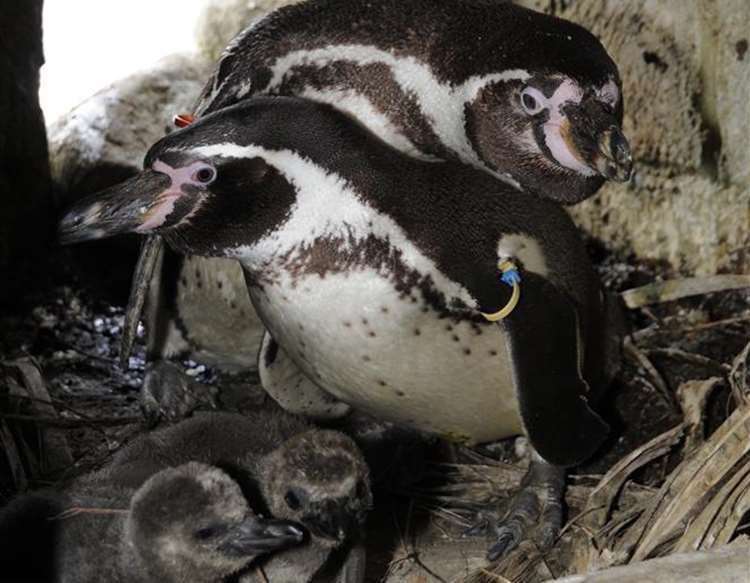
(292, 500)
(205, 175)
(206, 532)
(361, 489)
(532, 100)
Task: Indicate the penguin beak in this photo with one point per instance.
(331, 522)
(257, 535)
(597, 140)
(613, 160)
(139, 204)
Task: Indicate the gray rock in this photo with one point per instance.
(729, 564)
(104, 139)
(724, 36)
(25, 200)
(223, 19)
(686, 80)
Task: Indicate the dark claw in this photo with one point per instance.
(534, 512)
(169, 394)
(505, 543)
(477, 529)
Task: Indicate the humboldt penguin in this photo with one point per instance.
(379, 274)
(529, 97)
(186, 523)
(317, 478)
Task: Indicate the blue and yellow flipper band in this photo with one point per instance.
(510, 276)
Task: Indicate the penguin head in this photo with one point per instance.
(320, 479)
(200, 185)
(194, 519)
(552, 120)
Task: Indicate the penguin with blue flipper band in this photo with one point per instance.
(531, 98)
(372, 273)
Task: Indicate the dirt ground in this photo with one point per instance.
(71, 327)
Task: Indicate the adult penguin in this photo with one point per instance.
(531, 98)
(382, 286)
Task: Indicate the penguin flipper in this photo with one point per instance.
(547, 351)
(290, 387)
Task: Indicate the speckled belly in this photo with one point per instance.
(389, 354)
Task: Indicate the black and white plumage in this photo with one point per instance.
(529, 97)
(317, 478)
(185, 523)
(370, 270)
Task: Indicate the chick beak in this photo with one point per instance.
(123, 208)
(615, 161)
(332, 523)
(256, 535)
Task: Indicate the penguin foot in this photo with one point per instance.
(534, 512)
(169, 395)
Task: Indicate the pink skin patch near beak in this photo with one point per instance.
(555, 130)
(163, 206)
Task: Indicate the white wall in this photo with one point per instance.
(90, 43)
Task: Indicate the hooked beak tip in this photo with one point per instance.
(77, 226)
(119, 209)
(615, 160)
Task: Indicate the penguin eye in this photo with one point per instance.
(205, 175)
(292, 500)
(532, 100)
(207, 532)
(361, 489)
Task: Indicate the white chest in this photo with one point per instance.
(385, 352)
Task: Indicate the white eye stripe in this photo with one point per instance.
(609, 93)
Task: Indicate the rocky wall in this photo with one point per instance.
(104, 139)
(686, 75)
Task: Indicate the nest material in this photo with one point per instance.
(683, 485)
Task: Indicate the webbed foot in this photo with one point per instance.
(534, 512)
(169, 395)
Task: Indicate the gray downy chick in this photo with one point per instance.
(188, 523)
(312, 476)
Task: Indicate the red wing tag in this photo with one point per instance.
(183, 120)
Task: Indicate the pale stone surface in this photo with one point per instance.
(729, 564)
(724, 38)
(223, 19)
(686, 80)
(105, 139)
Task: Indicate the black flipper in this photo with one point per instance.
(547, 353)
